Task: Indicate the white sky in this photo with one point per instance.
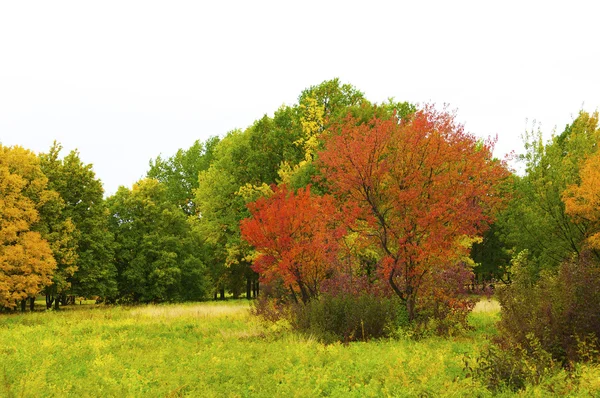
(124, 81)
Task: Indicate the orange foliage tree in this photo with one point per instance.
(582, 202)
(26, 260)
(414, 187)
(296, 238)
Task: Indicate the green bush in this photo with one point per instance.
(549, 320)
(348, 317)
(559, 309)
(512, 367)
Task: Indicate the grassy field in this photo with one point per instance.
(218, 349)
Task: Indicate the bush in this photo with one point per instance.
(444, 303)
(560, 309)
(356, 307)
(512, 367)
(272, 304)
(549, 320)
(346, 317)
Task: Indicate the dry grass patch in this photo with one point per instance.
(199, 310)
(487, 306)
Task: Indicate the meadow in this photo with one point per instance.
(218, 349)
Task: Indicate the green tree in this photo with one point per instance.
(157, 251)
(221, 209)
(244, 161)
(179, 173)
(59, 230)
(536, 219)
(491, 257)
(83, 203)
(335, 98)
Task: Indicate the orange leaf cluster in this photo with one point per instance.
(583, 201)
(295, 236)
(411, 189)
(414, 187)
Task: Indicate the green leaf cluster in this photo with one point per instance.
(536, 219)
(157, 254)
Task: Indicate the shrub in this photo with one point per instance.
(559, 309)
(346, 317)
(512, 367)
(352, 307)
(272, 303)
(549, 319)
(445, 304)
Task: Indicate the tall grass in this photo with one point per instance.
(218, 349)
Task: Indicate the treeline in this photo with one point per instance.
(333, 193)
(172, 236)
(55, 238)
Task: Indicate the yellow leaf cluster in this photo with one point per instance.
(312, 122)
(26, 260)
(252, 192)
(312, 126)
(583, 201)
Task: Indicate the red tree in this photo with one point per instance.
(413, 187)
(295, 237)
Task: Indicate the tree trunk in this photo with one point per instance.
(410, 307)
(248, 288)
(56, 304)
(23, 305)
(31, 303)
(305, 295)
(395, 287)
(294, 294)
(222, 294)
(49, 301)
(256, 288)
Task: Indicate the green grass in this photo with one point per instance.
(218, 349)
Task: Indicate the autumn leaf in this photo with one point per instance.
(26, 260)
(296, 238)
(413, 187)
(582, 201)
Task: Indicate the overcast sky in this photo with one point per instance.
(124, 81)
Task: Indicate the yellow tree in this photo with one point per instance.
(582, 202)
(26, 260)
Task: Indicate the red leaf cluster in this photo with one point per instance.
(296, 238)
(414, 187)
(410, 189)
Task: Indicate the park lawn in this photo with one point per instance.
(219, 349)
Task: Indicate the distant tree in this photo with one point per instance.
(492, 257)
(244, 161)
(157, 254)
(536, 219)
(26, 259)
(59, 231)
(82, 198)
(179, 173)
(335, 98)
(414, 187)
(582, 201)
